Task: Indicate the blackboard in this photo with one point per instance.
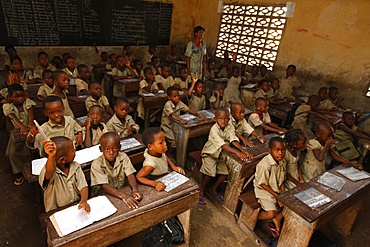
(83, 22)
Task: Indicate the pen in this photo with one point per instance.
(41, 131)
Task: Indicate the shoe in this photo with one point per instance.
(273, 230)
(202, 200)
(18, 181)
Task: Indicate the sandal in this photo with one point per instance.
(220, 197)
(18, 181)
(202, 200)
(273, 230)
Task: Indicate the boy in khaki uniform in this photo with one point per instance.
(148, 85)
(111, 169)
(58, 125)
(269, 183)
(61, 178)
(196, 99)
(325, 103)
(94, 126)
(43, 59)
(164, 80)
(47, 86)
(82, 80)
(289, 82)
(96, 98)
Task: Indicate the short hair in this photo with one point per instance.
(96, 106)
(148, 135)
(152, 46)
(104, 52)
(112, 54)
(313, 99)
(122, 99)
(217, 84)
(50, 99)
(235, 67)
(109, 135)
(182, 69)
(323, 89)
(322, 126)
(165, 65)
(61, 145)
(12, 59)
(146, 70)
(260, 83)
(347, 113)
(7, 47)
(292, 66)
(293, 136)
(198, 28)
(222, 109)
(92, 83)
(259, 101)
(45, 72)
(171, 89)
(275, 79)
(69, 57)
(136, 61)
(55, 74)
(333, 89)
(234, 104)
(14, 88)
(153, 58)
(80, 67)
(42, 53)
(274, 140)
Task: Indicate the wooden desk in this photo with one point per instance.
(154, 209)
(301, 221)
(240, 171)
(280, 111)
(246, 95)
(17, 136)
(32, 89)
(183, 132)
(129, 85)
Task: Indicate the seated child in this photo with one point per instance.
(122, 71)
(61, 82)
(196, 99)
(154, 64)
(210, 71)
(121, 122)
(70, 68)
(224, 71)
(164, 80)
(58, 125)
(47, 86)
(262, 92)
(83, 79)
(232, 93)
(264, 73)
(25, 75)
(94, 126)
(111, 170)
(301, 120)
(149, 55)
(44, 64)
(182, 82)
(138, 69)
(242, 129)
(325, 103)
(12, 77)
(345, 132)
(173, 107)
(260, 119)
(97, 98)
(221, 135)
(289, 82)
(253, 77)
(62, 179)
(334, 97)
(112, 62)
(171, 59)
(274, 95)
(57, 62)
(128, 54)
(217, 99)
(317, 150)
(148, 85)
(295, 144)
(269, 183)
(21, 113)
(155, 159)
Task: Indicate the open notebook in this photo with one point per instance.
(173, 180)
(72, 219)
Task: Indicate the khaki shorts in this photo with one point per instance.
(212, 166)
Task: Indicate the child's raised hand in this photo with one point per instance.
(85, 206)
(234, 56)
(137, 195)
(160, 186)
(195, 78)
(358, 166)
(129, 201)
(50, 147)
(179, 170)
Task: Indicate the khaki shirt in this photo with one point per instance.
(166, 82)
(70, 130)
(197, 103)
(117, 72)
(223, 102)
(260, 94)
(183, 84)
(301, 114)
(341, 135)
(168, 109)
(103, 173)
(326, 104)
(97, 133)
(115, 125)
(311, 167)
(102, 101)
(147, 58)
(4, 92)
(81, 85)
(252, 78)
(255, 121)
(271, 93)
(37, 71)
(137, 74)
(242, 127)
(271, 173)
(159, 164)
(72, 75)
(22, 116)
(144, 83)
(45, 90)
(291, 168)
(287, 85)
(62, 189)
(223, 73)
(217, 138)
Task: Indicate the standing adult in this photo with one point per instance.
(195, 52)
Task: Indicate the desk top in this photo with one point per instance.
(338, 197)
(129, 80)
(151, 199)
(285, 106)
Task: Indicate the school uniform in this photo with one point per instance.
(271, 173)
(183, 84)
(140, 105)
(271, 93)
(4, 92)
(242, 127)
(119, 88)
(45, 90)
(160, 165)
(255, 120)
(115, 125)
(62, 189)
(102, 172)
(130, 57)
(140, 75)
(311, 167)
(67, 109)
(259, 94)
(167, 123)
(81, 85)
(102, 101)
(223, 102)
(251, 77)
(37, 71)
(291, 168)
(326, 104)
(223, 73)
(17, 153)
(232, 92)
(97, 133)
(287, 85)
(70, 130)
(197, 103)
(154, 70)
(300, 121)
(213, 161)
(71, 74)
(147, 58)
(166, 82)
(346, 143)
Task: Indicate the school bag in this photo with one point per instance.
(165, 234)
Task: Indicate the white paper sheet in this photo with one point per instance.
(87, 154)
(173, 180)
(129, 143)
(37, 165)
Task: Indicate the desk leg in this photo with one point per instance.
(296, 231)
(146, 120)
(181, 140)
(185, 219)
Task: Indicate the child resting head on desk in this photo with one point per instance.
(121, 122)
(269, 183)
(155, 159)
(221, 135)
(62, 178)
(61, 81)
(58, 125)
(111, 169)
(94, 126)
(97, 98)
(317, 151)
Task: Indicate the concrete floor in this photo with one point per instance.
(20, 226)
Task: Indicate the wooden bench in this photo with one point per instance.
(196, 156)
(250, 210)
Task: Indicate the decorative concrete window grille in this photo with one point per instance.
(253, 32)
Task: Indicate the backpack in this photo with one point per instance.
(165, 234)
(291, 114)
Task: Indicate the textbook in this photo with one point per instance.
(206, 113)
(332, 181)
(312, 198)
(72, 219)
(187, 116)
(129, 143)
(353, 174)
(173, 180)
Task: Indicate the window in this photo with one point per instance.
(253, 32)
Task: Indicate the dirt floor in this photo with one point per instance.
(20, 226)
